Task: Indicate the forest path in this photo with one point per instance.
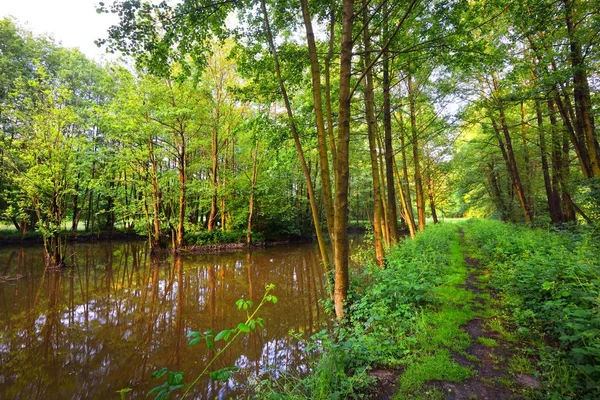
(492, 355)
(463, 346)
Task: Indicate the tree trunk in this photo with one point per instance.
(584, 122)
(290, 114)
(553, 201)
(156, 241)
(213, 178)
(509, 156)
(328, 84)
(412, 228)
(251, 202)
(431, 194)
(406, 215)
(415, 146)
(371, 128)
(389, 151)
(318, 107)
(340, 243)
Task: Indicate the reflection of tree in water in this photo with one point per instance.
(119, 314)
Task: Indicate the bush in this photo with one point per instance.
(215, 236)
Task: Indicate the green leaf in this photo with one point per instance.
(244, 328)
(160, 372)
(209, 343)
(162, 395)
(175, 378)
(158, 388)
(260, 322)
(175, 387)
(240, 303)
(193, 335)
(194, 342)
(221, 335)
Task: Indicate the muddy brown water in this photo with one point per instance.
(117, 314)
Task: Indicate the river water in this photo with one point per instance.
(116, 315)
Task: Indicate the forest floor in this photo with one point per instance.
(466, 350)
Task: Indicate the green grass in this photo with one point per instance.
(438, 366)
(487, 342)
(439, 330)
(549, 283)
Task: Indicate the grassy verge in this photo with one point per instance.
(550, 286)
(404, 317)
(409, 317)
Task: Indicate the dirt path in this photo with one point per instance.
(493, 365)
(489, 355)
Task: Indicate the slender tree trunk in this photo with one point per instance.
(328, 84)
(182, 189)
(509, 156)
(318, 107)
(412, 228)
(584, 122)
(371, 128)
(431, 194)
(526, 161)
(75, 220)
(251, 202)
(416, 157)
(496, 193)
(553, 201)
(389, 151)
(214, 178)
(578, 146)
(290, 114)
(156, 236)
(341, 251)
(405, 204)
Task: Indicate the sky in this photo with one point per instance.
(72, 23)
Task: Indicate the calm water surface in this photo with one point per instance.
(118, 314)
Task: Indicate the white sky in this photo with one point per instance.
(72, 23)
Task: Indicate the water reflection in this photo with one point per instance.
(119, 314)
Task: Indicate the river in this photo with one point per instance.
(116, 315)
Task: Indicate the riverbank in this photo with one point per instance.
(478, 309)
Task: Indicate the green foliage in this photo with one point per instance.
(395, 314)
(216, 236)
(552, 286)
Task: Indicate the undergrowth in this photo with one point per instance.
(401, 316)
(551, 287)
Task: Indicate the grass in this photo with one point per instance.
(410, 315)
(438, 366)
(439, 330)
(549, 283)
(487, 342)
